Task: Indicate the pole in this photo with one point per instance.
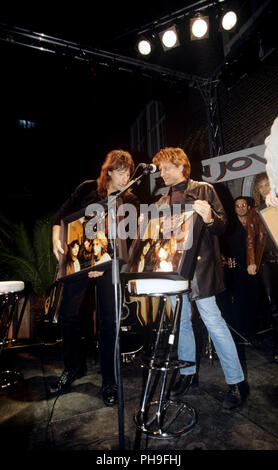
(112, 207)
(117, 286)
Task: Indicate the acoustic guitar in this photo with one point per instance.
(132, 327)
(53, 301)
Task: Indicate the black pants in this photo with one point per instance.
(239, 302)
(107, 326)
(69, 316)
(245, 301)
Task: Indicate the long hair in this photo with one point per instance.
(71, 246)
(102, 240)
(256, 193)
(115, 160)
(177, 156)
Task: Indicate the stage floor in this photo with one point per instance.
(79, 421)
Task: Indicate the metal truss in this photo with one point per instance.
(209, 92)
(190, 9)
(53, 45)
(14, 35)
(208, 87)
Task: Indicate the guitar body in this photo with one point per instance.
(53, 301)
(132, 328)
(132, 325)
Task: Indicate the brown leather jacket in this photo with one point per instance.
(256, 235)
(208, 275)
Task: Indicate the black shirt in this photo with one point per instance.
(177, 191)
(85, 194)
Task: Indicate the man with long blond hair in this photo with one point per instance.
(207, 279)
(114, 176)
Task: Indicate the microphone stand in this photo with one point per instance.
(117, 286)
(113, 199)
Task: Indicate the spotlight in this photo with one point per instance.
(144, 47)
(199, 27)
(229, 20)
(169, 38)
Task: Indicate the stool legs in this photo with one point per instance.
(155, 425)
(171, 340)
(153, 357)
(8, 307)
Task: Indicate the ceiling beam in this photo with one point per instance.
(50, 44)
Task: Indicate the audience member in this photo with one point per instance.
(262, 256)
(240, 295)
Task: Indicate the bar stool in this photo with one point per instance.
(10, 293)
(169, 418)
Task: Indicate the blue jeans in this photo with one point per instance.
(219, 333)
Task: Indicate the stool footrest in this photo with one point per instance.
(10, 378)
(146, 362)
(178, 418)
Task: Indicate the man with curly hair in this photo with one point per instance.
(114, 176)
(207, 279)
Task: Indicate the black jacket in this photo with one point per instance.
(208, 277)
(85, 194)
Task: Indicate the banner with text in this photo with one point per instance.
(234, 165)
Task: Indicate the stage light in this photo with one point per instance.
(199, 27)
(144, 47)
(169, 38)
(229, 20)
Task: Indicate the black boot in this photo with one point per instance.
(65, 380)
(182, 385)
(109, 394)
(236, 396)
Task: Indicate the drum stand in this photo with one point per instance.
(163, 418)
(10, 293)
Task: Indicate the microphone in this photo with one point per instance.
(147, 168)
